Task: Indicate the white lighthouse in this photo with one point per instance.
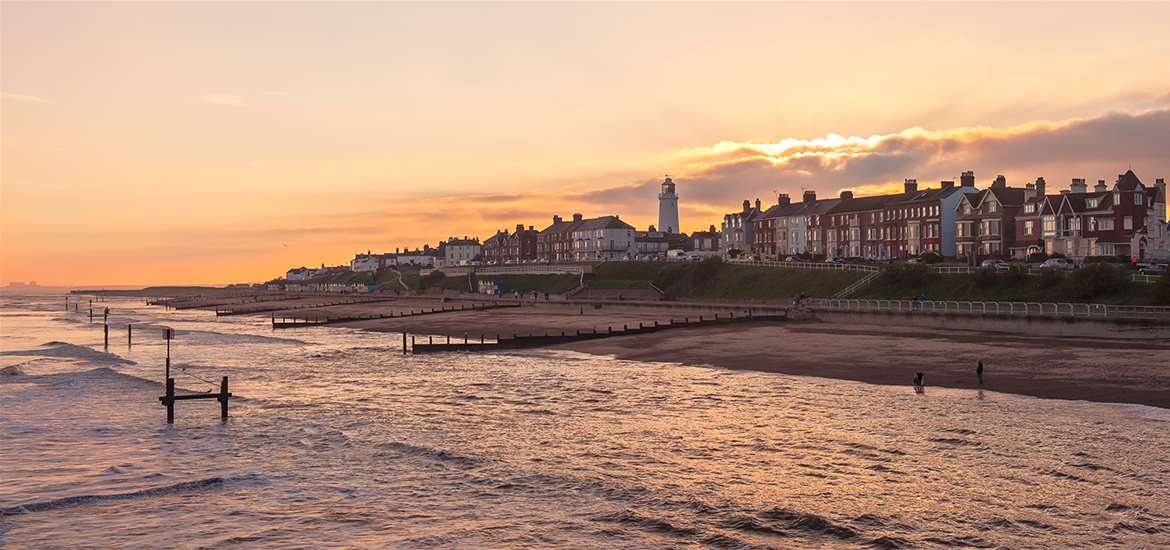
(668, 208)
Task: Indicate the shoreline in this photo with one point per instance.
(1015, 365)
(1097, 362)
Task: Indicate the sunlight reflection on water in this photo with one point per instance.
(339, 439)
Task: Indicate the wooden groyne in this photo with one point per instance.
(550, 339)
(301, 322)
(315, 305)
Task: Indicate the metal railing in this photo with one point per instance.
(807, 265)
(1049, 309)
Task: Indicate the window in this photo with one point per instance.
(1049, 225)
(1029, 227)
(966, 208)
(1127, 223)
(1137, 198)
(1092, 203)
(1104, 224)
(1029, 208)
(991, 207)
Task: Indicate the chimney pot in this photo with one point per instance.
(911, 185)
(577, 217)
(757, 203)
(1078, 186)
(948, 184)
(810, 196)
(847, 195)
(1000, 182)
(967, 179)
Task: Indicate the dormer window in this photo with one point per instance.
(1092, 203)
(1030, 208)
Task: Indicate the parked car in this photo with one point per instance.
(1057, 263)
(998, 265)
(790, 259)
(1153, 269)
(914, 261)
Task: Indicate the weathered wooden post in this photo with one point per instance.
(167, 333)
(106, 335)
(412, 343)
(430, 340)
(91, 311)
(481, 340)
(403, 343)
(223, 398)
(169, 399)
(448, 339)
(66, 303)
(129, 334)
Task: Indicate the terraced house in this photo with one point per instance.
(736, 232)
(1106, 221)
(986, 221)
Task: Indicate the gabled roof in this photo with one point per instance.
(1128, 181)
(1008, 196)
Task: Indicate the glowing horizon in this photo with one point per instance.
(211, 144)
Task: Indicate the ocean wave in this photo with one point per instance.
(809, 522)
(652, 523)
(66, 502)
(428, 452)
(70, 351)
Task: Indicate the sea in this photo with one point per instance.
(336, 439)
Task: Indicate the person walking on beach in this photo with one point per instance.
(919, 382)
(979, 372)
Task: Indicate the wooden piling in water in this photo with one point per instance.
(106, 335)
(129, 334)
(223, 399)
(169, 399)
(403, 343)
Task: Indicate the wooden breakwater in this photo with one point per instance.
(301, 322)
(274, 307)
(550, 338)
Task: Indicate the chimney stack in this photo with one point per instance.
(947, 184)
(747, 205)
(519, 228)
(967, 179)
(711, 229)
(846, 195)
(810, 196)
(783, 200)
(1078, 186)
(1100, 187)
(577, 217)
(651, 229)
(1041, 186)
(557, 219)
(999, 183)
(757, 203)
(911, 185)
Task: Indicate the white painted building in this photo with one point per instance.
(461, 251)
(668, 208)
(298, 274)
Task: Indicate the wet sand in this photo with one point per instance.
(1093, 369)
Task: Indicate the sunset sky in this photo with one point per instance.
(217, 143)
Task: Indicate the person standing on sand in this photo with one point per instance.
(919, 381)
(979, 372)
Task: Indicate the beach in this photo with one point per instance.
(1099, 362)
